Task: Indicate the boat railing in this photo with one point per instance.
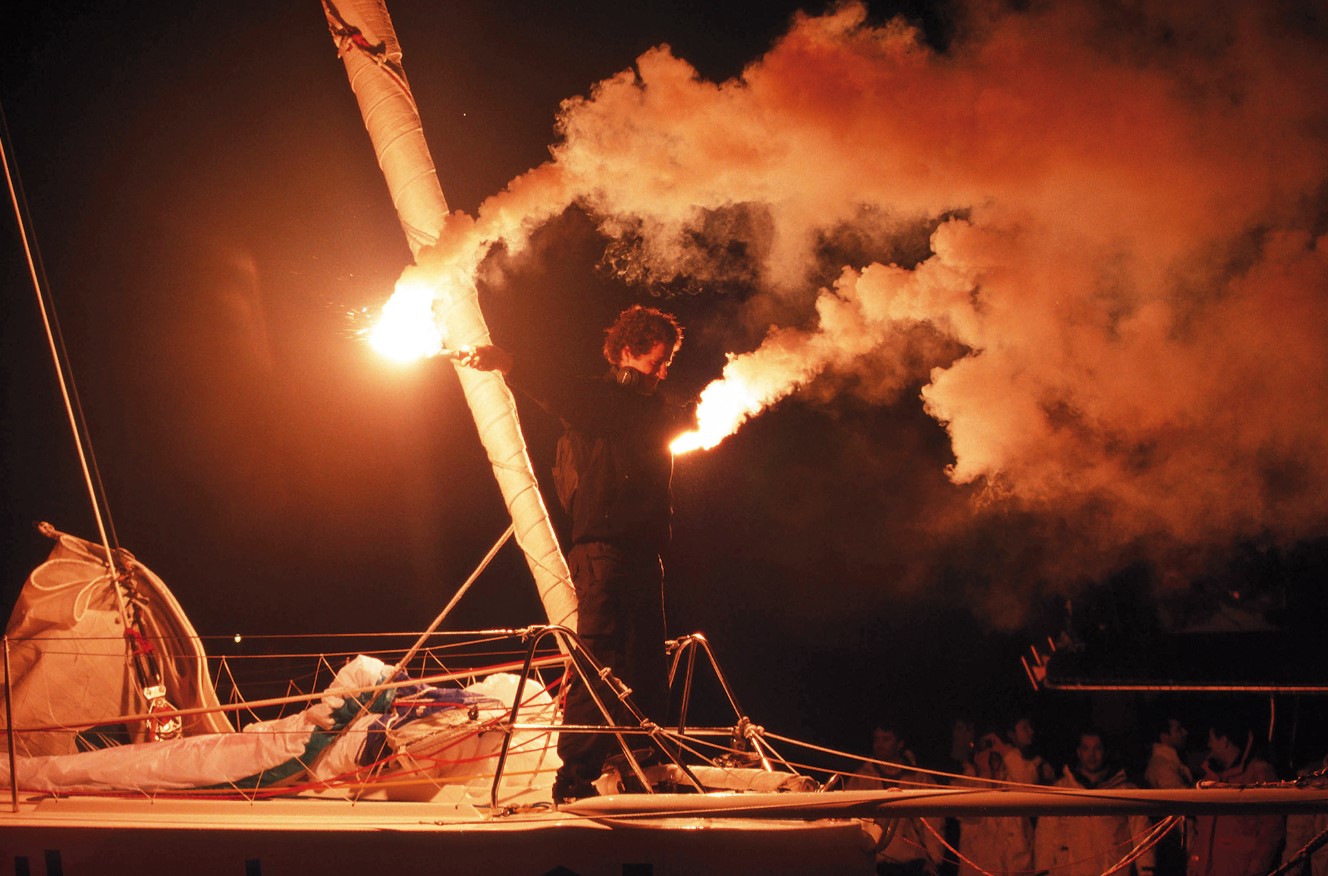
(740, 744)
(597, 678)
(746, 740)
(746, 735)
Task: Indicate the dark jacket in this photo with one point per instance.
(614, 466)
(1237, 845)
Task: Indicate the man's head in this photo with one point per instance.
(1228, 739)
(1022, 733)
(1172, 732)
(643, 339)
(887, 742)
(1091, 753)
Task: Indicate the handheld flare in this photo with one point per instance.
(724, 406)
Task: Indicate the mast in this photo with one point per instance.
(367, 44)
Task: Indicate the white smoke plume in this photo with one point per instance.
(1127, 251)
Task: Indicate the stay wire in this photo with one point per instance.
(55, 339)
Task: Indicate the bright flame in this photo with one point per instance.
(724, 406)
(751, 383)
(406, 330)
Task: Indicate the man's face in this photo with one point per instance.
(1023, 733)
(1223, 749)
(885, 744)
(1176, 734)
(654, 362)
(1091, 753)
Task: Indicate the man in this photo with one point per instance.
(1166, 769)
(613, 477)
(910, 848)
(1022, 762)
(1235, 845)
(992, 843)
(890, 765)
(1089, 845)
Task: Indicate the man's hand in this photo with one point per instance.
(486, 357)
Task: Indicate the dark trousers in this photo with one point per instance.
(620, 617)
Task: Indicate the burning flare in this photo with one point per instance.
(407, 330)
(750, 383)
(724, 406)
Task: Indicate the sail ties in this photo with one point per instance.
(349, 38)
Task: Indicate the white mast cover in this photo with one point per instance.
(392, 119)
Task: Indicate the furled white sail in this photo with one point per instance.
(67, 665)
(368, 46)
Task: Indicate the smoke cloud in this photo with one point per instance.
(1121, 317)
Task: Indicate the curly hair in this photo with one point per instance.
(637, 329)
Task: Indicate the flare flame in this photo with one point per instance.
(724, 406)
(406, 330)
(750, 383)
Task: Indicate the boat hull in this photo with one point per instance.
(107, 837)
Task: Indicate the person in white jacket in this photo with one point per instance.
(1167, 769)
(992, 843)
(1088, 845)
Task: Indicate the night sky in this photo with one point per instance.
(1049, 290)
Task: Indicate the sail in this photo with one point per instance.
(369, 49)
(67, 665)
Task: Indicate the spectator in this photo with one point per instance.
(1083, 845)
(959, 762)
(906, 846)
(1235, 845)
(993, 843)
(891, 764)
(962, 740)
(1167, 769)
(1022, 763)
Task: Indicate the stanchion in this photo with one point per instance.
(9, 734)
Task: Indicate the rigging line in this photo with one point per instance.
(1139, 843)
(958, 854)
(68, 390)
(1301, 857)
(538, 663)
(456, 597)
(993, 783)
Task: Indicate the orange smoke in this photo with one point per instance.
(1126, 266)
(1133, 266)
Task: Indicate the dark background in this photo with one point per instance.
(212, 224)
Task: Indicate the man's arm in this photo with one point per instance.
(563, 398)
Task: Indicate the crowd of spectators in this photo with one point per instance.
(1226, 752)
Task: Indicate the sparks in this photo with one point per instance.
(407, 330)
